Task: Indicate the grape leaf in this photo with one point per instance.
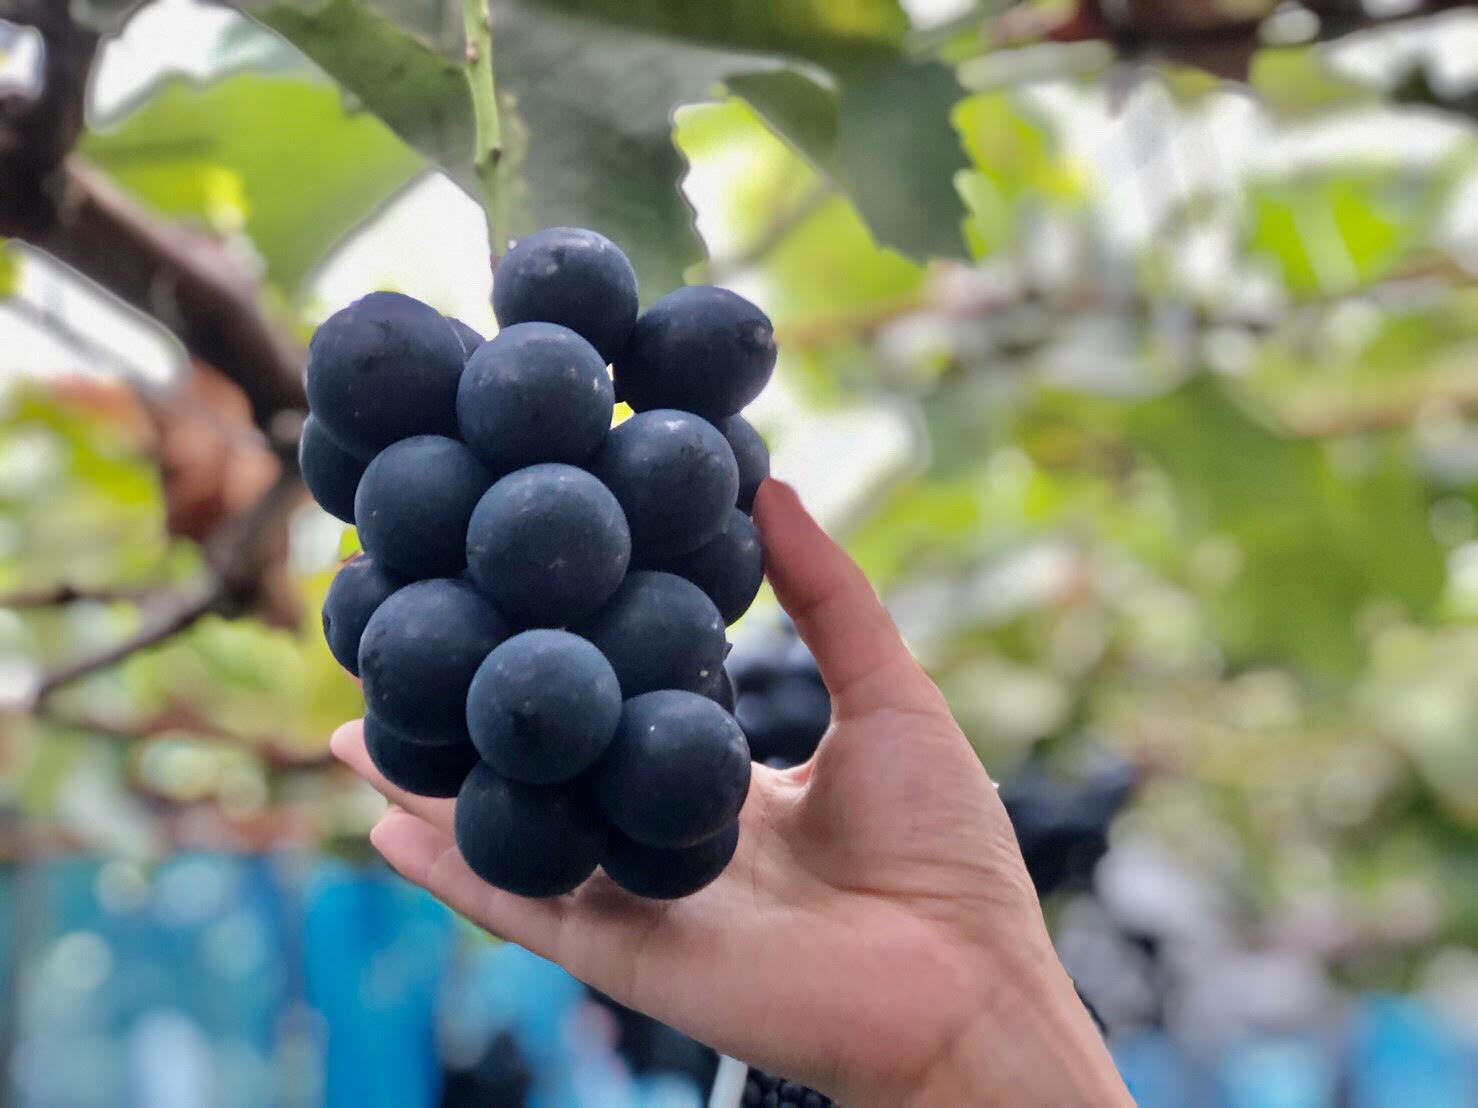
(798, 107)
(408, 82)
(846, 97)
(217, 152)
(592, 84)
(1336, 231)
(899, 154)
(1313, 554)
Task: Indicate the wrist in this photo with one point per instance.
(1032, 1042)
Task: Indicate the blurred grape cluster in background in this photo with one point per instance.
(1131, 347)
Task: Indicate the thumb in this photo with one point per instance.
(862, 658)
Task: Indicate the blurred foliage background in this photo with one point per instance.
(1132, 347)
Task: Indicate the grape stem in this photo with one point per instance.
(487, 154)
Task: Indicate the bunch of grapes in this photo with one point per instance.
(539, 613)
(763, 1090)
(1062, 823)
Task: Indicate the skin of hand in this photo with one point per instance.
(876, 935)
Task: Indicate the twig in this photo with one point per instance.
(238, 553)
(185, 279)
(1319, 419)
(184, 611)
(861, 322)
(186, 722)
(1028, 22)
(242, 548)
(58, 595)
(36, 133)
(87, 348)
(487, 153)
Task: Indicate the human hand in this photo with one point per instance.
(876, 935)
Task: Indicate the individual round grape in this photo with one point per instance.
(330, 472)
(659, 632)
(383, 369)
(469, 338)
(752, 455)
(676, 772)
(532, 840)
(534, 392)
(415, 765)
(1062, 823)
(543, 707)
(573, 277)
(729, 568)
(675, 477)
(786, 720)
(549, 544)
(420, 651)
(719, 688)
(360, 586)
(702, 349)
(660, 874)
(414, 502)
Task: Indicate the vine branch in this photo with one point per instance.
(180, 612)
(237, 552)
(56, 325)
(57, 596)
(185, 279)
(185, 722)
(487, 154)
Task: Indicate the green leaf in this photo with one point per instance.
(876, 121)
(882, 133)
(403, 78)
(221, 153)
(1297, 81)
(78, 503)
(1015, 170)
(598, 142)
(1312, 554)
(1334, 232)
(592, 85)
(597, 103)
(899, 154)
(798, 108)
(820, 260)
(104, 16)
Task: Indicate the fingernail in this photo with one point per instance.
(772, 487)
(377, 831)
(391, 813)
(343, 738)
(792, 492)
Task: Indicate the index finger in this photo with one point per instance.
(862, 658)
(347, 745)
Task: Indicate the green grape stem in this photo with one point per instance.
(487, 154)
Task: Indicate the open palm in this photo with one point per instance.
(877, 921)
